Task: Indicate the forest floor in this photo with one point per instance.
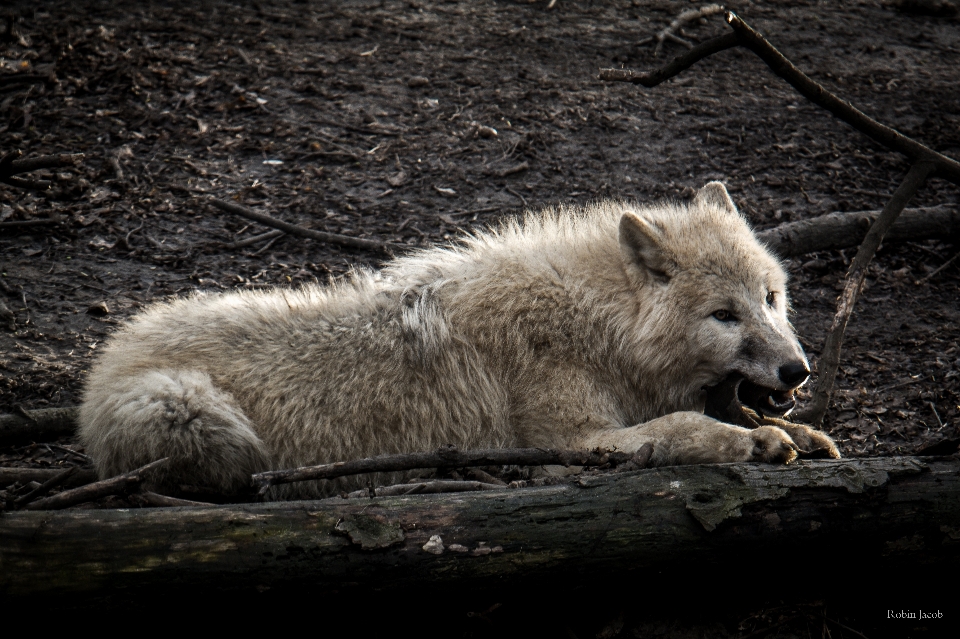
(412, 122)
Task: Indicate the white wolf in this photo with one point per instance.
(575, 328)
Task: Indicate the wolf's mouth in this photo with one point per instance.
(765, 401)
(726, 400)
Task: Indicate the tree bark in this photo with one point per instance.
(845, 230)
(889, 509)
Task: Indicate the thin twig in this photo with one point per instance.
(156, 500)
(671, 32)
(10, 167)
(449, 458)
(256, 239)
(293, 229)
(426, 488)
(19, 224)
(90, 492)
(927, 277)
(26, 475)
(46, 486)
(830, 357)
(675, 66)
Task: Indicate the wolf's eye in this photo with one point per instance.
(771, 298)
(723, 315)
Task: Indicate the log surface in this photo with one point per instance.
(602, 524)
(845, 230)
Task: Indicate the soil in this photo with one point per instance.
(411, 122)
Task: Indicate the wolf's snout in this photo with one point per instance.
(794, 373)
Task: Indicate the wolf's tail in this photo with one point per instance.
(128, 422)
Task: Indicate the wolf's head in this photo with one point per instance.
(716, 300)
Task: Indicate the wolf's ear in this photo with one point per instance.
(715, 194)
(642, 248)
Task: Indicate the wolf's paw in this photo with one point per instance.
(812, 443)
(772, 445)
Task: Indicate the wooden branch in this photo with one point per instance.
(10, 476)
(46, 486)
(17, 224)
(35, 425)
(672, 32)
(293, 229)
(695, 521)
(10, 167)
(91, 492)
(744, 35)
(155, 500)
(450, 457)
(830, 357)
(844, 230)
(946, 168)
(255, 239)
(675, 66)
(426, 488)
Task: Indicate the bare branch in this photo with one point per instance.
(427, 488)
(450, 458)
(10, 476)
(675, 66)
(15, 224)
(830, 357)
(10, 167)
(90, 492)
(946, 168)
(672, 32)
(46, 486)
(250, 241)
(293, 229)
(156, 500)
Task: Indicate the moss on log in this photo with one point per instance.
(608, 523)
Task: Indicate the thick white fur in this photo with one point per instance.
(576, 327)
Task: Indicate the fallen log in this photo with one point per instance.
(846, 230)
(35, 425)
(40, 475)
(636, 522)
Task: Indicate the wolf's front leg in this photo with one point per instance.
(694, 438)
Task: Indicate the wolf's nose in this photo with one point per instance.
(794, 373)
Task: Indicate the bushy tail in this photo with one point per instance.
(128, 422)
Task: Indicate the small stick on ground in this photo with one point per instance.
(256, 239)
(427, 488)
(926, 278)
(293, 229)
(449, 458)
(830, 357)
(18, 224)
(113, 486)
(156, 500)
(672, 32)
(10, 476)
(46, 487)
(10, 167)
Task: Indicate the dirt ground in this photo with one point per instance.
(410, 122)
